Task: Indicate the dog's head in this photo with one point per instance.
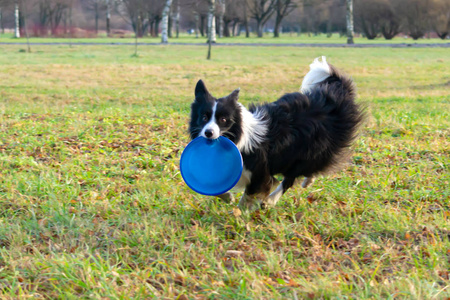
(212, 117)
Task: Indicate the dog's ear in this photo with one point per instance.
(234, 96)
(201, 92)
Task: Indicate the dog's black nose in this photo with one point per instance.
(208, 133)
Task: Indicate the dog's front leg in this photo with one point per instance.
(250, 202)
(256, 192)
(227, 197)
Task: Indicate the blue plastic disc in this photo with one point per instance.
(211, 167)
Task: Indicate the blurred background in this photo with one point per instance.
(372, 19)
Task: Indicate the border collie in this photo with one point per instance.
(301, 134)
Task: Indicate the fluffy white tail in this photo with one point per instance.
(320, 70)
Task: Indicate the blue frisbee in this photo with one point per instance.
(211, 167)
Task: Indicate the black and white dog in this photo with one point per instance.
(301, 134)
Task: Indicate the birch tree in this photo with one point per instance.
(211, 29)
(212, 21)
(165, 22)
(16, 20)
(349, 18)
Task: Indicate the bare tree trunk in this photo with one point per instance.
(25, 26)
(259, 29)
(16, 21)
(203, 32)
(197, 20)
(221, 14)
(211, 30)
(1, 21)
(170, 26)
(65, 23)
(108, 18)
(157, 20)
(212, 21)
(349, 18)
(70, 25)
(96, 17)
(276, 30)
(165, 22)
(136, 41)
(247, 29)
(177, 20)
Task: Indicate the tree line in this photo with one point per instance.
(226, 18)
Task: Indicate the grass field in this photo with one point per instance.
(92, 204)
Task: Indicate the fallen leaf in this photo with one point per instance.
(311, 198)
(237, 212)
(43, 222)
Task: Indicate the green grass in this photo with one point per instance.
(92, 204)
(253, 39)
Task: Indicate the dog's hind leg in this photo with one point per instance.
(308, 181)
(275, 196)
(227, 197)
(257, 192)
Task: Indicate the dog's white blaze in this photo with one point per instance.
(254, 129)
(320, 70)
(212, 125)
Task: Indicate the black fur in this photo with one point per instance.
(307, 134)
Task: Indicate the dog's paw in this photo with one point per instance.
(249, 203)
(227, 197)
(307, 182)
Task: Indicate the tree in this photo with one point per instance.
(16, 20)
(349, 18)
(211, 31)
(416, 17)
(133, 12)
(390, 19)
(165, 22)
(23, 8)
(261, 11)
(282, 8)
(234, 15)
(155, 11)
(108, 18)
(199, 10)
(368, 15)
(176, 17)
(221, 10)
(96, 6)
(245, 18)
(440, 17)
(1, 21)
(379, 16)
(211, 22)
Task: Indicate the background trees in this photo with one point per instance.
(372, 18)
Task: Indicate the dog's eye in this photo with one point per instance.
(205, 118)
(223, 120)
